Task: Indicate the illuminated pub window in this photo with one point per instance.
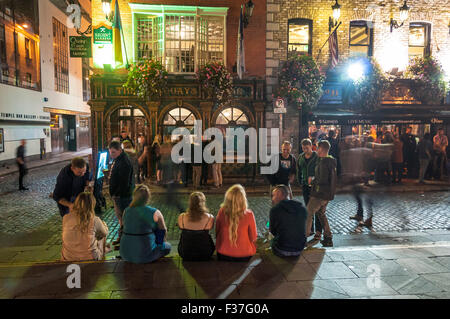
(300, 36)
(361, 39)
(182, 41)
(61, 56)
(178, 117)
(419, 39)
(233, 117)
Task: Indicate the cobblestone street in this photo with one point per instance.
(31, 217)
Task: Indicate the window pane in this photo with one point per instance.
(359, 51)
(299, 33)
(300, 48)
(416, 51)
(236, 113)
(221, 120)
(137, 112)
(125, 112)
(169, 120)
(189, 120)
(417, 36)
(215, 39)
(359, 35)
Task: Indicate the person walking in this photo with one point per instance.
(397, 160)
(409, 148)
(83, 233)
(440, 143)
(121, 183)
(196, 167)
(155, 157)
(306, 168)
(216, 170)
(287, 168)
(287, 219)
(20, 160)
(72, 180)
(425, 149)
(196, 243)
(323, 190)
(141, 153)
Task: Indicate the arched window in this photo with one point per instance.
(130, 119)
(232, 117)
(178, 117)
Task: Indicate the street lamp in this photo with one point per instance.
(249, 6)
(403, 16)
(106, 6)
(332, 21)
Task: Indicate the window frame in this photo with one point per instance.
(427, 40)
(171, 10)
(369, 46)
(60, 56)
(3, 55)
(301, 21)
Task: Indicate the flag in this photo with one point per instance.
(117, 28)
(240, 47)
(333, 46)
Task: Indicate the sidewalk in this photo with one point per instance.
(52, 159)
(417, 267)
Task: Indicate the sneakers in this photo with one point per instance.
(368, 223)
(327, 242)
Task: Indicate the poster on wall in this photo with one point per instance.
(2, 141)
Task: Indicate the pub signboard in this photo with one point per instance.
(80, 47)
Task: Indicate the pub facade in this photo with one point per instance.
(390, 32)
(182, 35)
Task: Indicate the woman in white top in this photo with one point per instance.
(84, 234)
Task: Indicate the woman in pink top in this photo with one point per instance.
(235, 227)
(84, 234)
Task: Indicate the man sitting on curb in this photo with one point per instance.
(287, 223)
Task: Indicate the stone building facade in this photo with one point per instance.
(390, 49)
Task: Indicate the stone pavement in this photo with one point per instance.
(402, 271)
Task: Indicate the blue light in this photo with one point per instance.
(355, 71)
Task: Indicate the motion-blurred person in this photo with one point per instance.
(172, 199)
(440, 143)
(125, 137)
(397, 160)
(71, 181)
(306, 169)
(287, 168)
(142, 153)
(425, 149)
(20, 160)
(155, 157)
(334, 150)
(323, 190)
(132, 155)
(287, 223)
(217, 170)
(121, 183)
(409, 149)
(196, 168)
(83, 233)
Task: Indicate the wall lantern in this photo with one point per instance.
(249, 6)
(106, 6)
(332, 21)
(403, 16)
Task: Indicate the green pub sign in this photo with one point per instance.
(102, 35)
(80, 47)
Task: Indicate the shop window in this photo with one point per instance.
(361, 39)
(54, 120)
(300, 36)
(61, 56)
(182, 42)
(419, 39)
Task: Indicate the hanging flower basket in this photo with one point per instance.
(215, 79)
(147, 78)
(300, 82)
(428, 80)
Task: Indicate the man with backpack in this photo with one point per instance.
(323, 190)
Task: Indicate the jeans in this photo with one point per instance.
(440, 159)
(22, 173)
(423, 168)
(160, 251)
(397, 171)
(120, 203)
(196, 176)
(319, 206)
(306, 195)
(357, 192)
(282, 253)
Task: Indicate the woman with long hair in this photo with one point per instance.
(84, 234)
(144, 230)
(235, 227)
(155, 157)
(196, 243)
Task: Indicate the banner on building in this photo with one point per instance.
(80, 47)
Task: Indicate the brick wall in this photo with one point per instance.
(254, 34)
(390, 49)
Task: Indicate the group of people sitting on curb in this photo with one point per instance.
(143, 230)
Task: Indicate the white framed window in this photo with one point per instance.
(182, 38)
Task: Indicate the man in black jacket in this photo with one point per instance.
(287, 223)
(71, 181)
(20, 159)
(121, 182)
(323, 190)
(287, 168)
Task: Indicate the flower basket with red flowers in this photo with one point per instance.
(215, 79)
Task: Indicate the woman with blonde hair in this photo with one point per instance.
(235, 227)
(196, 243)
(83, 234)
(144, 230)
